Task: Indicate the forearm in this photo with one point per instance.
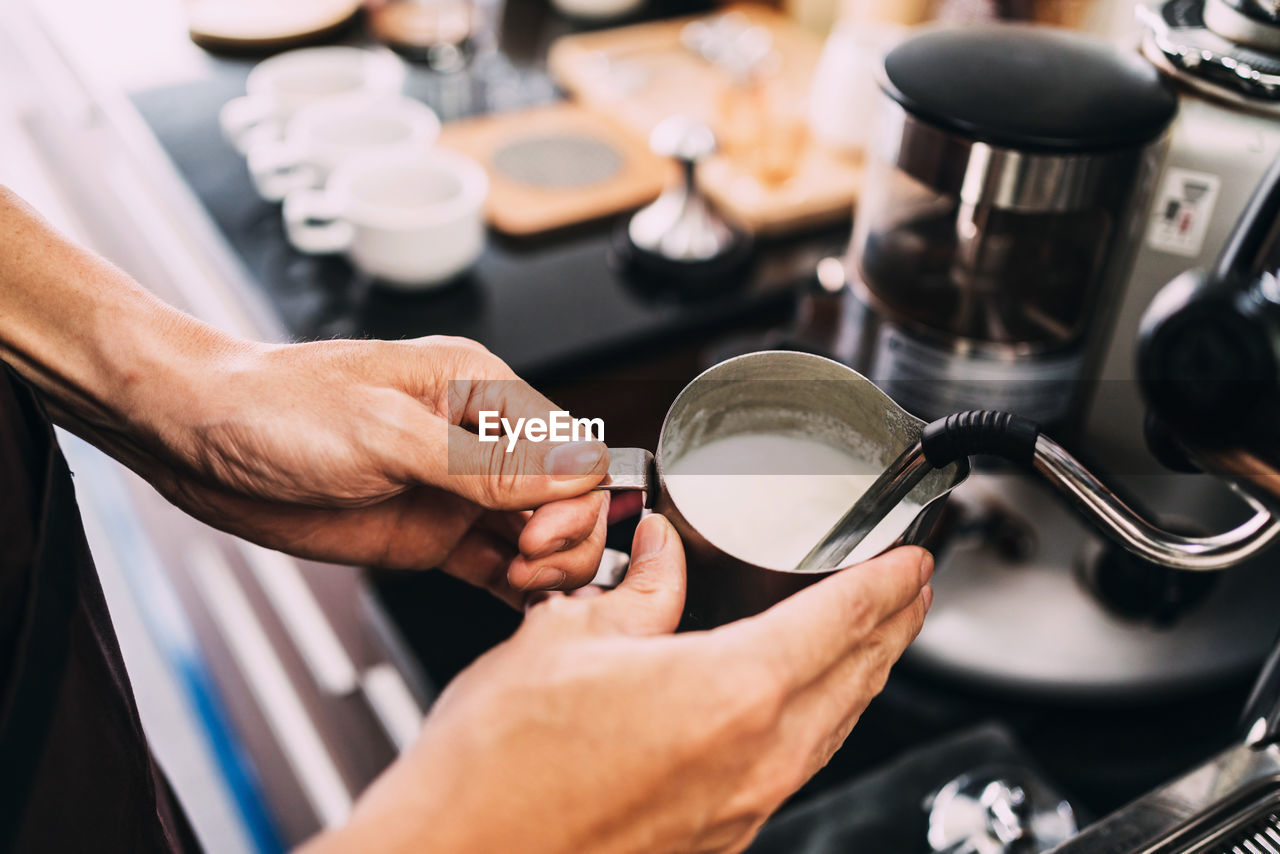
(110, 359)
(398, 822)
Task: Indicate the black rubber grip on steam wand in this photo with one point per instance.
(982, 431)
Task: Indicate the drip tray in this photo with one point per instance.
(1247, 824)
(1228, 805)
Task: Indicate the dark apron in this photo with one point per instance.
(75, 771)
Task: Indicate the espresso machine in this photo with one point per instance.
(1224, 58)
(1016, 222)
(1209, 366)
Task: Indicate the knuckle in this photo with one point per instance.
(461, 358)
(452, 342)
(861, 615)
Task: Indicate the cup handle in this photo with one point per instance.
(241, 118)
(313, 223)
(278, 168)
(631, 470)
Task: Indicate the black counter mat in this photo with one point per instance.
(548, 306)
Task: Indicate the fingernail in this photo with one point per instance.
(926, 593)
(549, 549)
(651, 537)
(546, 579)
(574, 459)
(926, 568)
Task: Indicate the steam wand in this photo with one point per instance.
(1019, 440)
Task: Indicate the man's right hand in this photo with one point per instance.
(595, 729)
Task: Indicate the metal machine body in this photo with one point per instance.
(1229, 804)
(1220, 147)
(991, 232)
(1030, 599)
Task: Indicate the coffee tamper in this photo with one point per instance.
(680, 235)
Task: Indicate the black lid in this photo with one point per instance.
(1030, 88)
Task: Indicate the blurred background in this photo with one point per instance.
(613, 195)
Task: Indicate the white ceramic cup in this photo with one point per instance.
(410, 220)
(322, 135)
(277, 88)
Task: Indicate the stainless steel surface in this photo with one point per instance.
(1220, 807)
(1088, 495)
(1001, 178)
(998, 810)
(1232, 24)
(684, 139)
(934, 374)
(612, 569)
(1254, 471)
(899, 479)
(1101, 506)
(984, 277)
(779, 392)
(1224, 148)
(630, 470)
(1022, 622)
(680, 225)
(1252, 835)
(1212, 59)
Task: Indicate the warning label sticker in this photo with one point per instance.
(1183, 207)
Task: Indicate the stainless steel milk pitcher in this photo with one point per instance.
(772, 392)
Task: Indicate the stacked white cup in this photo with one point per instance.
(328, 131)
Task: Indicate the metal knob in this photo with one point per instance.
(684, 138)
(998, 811)
(681, 227)
(1253, 23)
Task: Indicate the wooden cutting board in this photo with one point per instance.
(557, 165)
(642, 74)
(255, 27)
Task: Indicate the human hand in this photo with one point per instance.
(596, 729)
(358, 452)
(348, 451)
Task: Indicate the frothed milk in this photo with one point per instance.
(768, 499)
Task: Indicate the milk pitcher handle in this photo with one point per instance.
(631, 470)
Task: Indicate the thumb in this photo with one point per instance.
(651, 598)
(524, 475)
